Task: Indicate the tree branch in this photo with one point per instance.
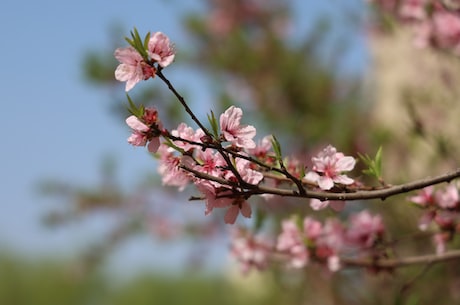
(402, 262)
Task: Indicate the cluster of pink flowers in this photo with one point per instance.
(326, 242)
(298, 244)
(134, 68)
(189, 155)
(251, 251)
(436, 23)
(441, 208)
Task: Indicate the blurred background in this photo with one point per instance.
(85, 219)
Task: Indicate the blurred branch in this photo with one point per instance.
(402, 262)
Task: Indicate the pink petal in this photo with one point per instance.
(154, 145)
(246, 209)
(231, 214)
(317, 204)
(136, 124)
(325, 183)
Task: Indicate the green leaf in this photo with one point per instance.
(133, 109)
(213, 122)
(276, 148)
(146, 41)
(374, 166)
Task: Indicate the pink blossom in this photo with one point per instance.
(447, 199)
(328, 167)
(424, 197)
(249, 175)
(446, 30)
(160, 49)
(216, 198)
(232, 131)
(141, 134)
(336, 205)
(211, 163)
(425, 220)
(290, 242)
(365, 229)
(331, 241)
(187, 133)
(171, 173)
(262, 148)
(210, 193)
(413, 9)
(312, 228)
(251, 251)
(238, 206)
(132, 68)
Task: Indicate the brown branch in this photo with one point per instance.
(321, 195)
(402, 262)
(160, 74)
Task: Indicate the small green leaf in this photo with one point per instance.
(146, 41)
(133, 109)
(213, 122)
(374, 166)
(276, 148)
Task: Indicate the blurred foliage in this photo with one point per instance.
(56, 282)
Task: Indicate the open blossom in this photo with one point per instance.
(290, 242)
(132, 68)
(328, 167)
(141, 135)
(447, 198)
(160, 49)
(168, 168)
(142, 132)
(365, 229)
(424, 197)
(238, 206)
(251, 251)
(446, 30)
(336, 205)
(187, 133)
(232, 131)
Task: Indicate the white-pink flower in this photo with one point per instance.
(132, 68)
(160, 49)
(290, 242)
(446, 30)
(447, 198)
(251, 251)
(141, 134)
(328, 167)
(232, 131)
(364, 229)
(336, 205)
(238, 206)
(424, 197)
(168, 168)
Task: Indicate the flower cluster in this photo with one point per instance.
(227, 167)
(435, 23)
(134, 67)
(441, 208)
(312, 241)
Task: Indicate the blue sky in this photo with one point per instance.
(54, 125)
